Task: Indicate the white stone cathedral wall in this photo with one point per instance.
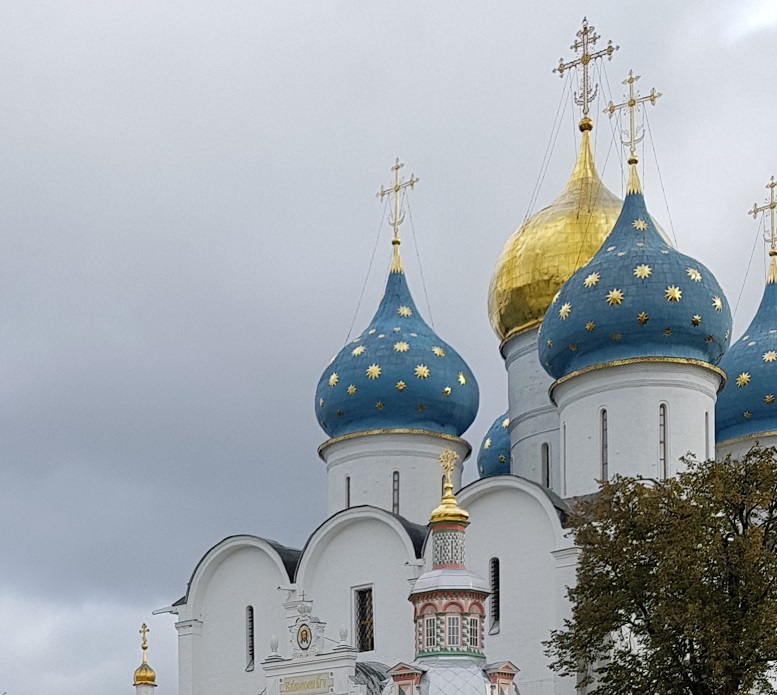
(246, 576)
(514, 521)
(632, 395)
(534, 418)
(370, 461)
(362, 551)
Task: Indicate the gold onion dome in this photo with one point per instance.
(551, 245)
(144, 675)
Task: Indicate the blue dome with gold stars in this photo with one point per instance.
(638, 298)
(494, 454)
(746, 406)
(397, 374)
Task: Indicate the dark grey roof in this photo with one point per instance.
(371, 674)
(415, 532)
(289, 557)
(562, 508)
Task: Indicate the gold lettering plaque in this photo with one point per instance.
(313, 684)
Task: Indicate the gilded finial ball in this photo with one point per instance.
(585, 124)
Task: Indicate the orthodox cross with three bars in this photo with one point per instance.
(771, 206)
(636, 134)
(586, 38)
(396, 189)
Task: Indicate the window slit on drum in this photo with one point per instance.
(395, 493)
(605, 464)
(663, 459)
(249, 638)
(493, 571)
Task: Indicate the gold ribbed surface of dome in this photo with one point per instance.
(550, 246)
(144, 675)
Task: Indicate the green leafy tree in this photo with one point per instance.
(677, 583)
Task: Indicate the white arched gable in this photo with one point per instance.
(215, 557)
(338, 523)
(535, 493)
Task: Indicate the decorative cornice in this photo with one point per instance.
(638, 360)
(395, 430)
(745, 437)
(529, 325)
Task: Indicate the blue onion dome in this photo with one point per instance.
(494, 454)
(746, 406)
(397, 374)
(638, 299)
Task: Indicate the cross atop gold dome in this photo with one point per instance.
(144, 674)
(586, 39)
(771, 235)
(635, 133)
(397, 215)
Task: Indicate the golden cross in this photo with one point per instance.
(397, 216)
(771, 206)
(448, 460)
(144, 643)
(636, 134)
(586, 38)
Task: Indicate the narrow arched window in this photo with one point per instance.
(474, 632)
(604, 445)
(249, 638)
(663, 459)
(347, 491)
(494, 601)
(430, 623)
(563, 489)
(545, 460)
(454, 631)
(707, 436)
(395, 492)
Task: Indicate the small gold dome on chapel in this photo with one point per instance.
(144, 674)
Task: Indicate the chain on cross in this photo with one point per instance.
(771, 206)
(635, 133)
(395, 190)
(586, 39)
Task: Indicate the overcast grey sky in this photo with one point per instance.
(187, 216)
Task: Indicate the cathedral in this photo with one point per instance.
(619, 360)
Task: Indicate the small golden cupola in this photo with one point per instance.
(144, 674)
(552, 244)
